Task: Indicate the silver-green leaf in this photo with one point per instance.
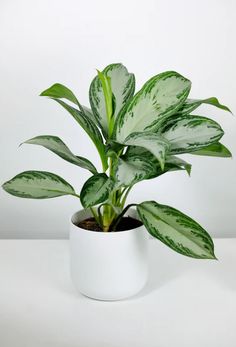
(161, 96)
(57, 146)
(38, 185)
(176, 230)
(96, 190)
(154, 143)
(190, 133)
(89, 114)
(139, 164)
(132, 169)
(122, 86)
(172, 163)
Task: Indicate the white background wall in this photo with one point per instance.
(46, 41)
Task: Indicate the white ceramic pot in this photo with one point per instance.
(108, 265)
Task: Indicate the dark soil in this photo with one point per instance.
(126, 223)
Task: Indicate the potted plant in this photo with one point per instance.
(138, 137)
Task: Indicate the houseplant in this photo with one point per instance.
(137, 136)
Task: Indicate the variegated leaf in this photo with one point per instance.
(191, 104)
(190, 133)
(176, 163)
(161, 96)
(154, 143)
(89, 114)
(89, 126)
(133, 168)
(96, 190)
(122, 86)
(176, 230)
(57, 146)
(38, 185)
(214, 150)
(172, 163)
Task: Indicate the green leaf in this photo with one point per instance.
(38, 185)
(189, 133)
(139, 164)
(191, 104)
(172, 162)
(107, 92)
(89, 114)
(154, 143)
(161, 96)
(122, 86)
(59, 91)
(83, 117)
(132, 169)
(214, 150)
(90, 128)
(175, 163)
(57, 146)
(176, 230)
(96, 190)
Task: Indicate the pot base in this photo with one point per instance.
(108, 266)
(127, 296)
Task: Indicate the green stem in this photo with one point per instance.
(110, 210)
(105, 219)
(76, 195)
(95, 215)
(123, 201)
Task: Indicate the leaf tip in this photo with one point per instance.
(213, 257)
(189, 170)
(162, 165)
(4, 186)
(44, 93)
(22, 143)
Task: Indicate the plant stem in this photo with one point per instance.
(106, 219)
(118, 219)
(95, 215)
(76, 195)
(123, 201)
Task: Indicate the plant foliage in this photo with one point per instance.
(137, 137)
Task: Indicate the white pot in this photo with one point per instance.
(108, 265)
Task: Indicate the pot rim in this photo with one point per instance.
(132, 210)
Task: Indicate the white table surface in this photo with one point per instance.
(187, 302)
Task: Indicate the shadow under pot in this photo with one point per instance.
(108, 265)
